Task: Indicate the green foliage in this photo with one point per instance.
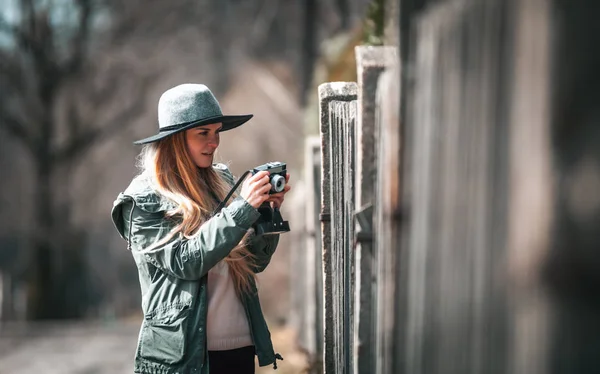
(374, 27)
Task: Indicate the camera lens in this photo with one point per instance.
(277, 183)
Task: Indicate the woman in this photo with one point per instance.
(196, 265)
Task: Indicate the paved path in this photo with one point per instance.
(68, 348)
(101, 348)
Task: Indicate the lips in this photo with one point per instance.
(207, 154)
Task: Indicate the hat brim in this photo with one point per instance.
(229, 122)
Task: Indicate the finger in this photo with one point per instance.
(249, 181)
(276, 201)
(264, 178)
(258, 176)
(260, 182)
(250, 177)
(265, 188)
(275, 198)
(285, 190)
(287, 177)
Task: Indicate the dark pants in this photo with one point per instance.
(239, 361)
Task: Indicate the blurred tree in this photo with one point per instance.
(309, 46)
(375, 23)
(343, 9)
(74, 73)
(47, 80)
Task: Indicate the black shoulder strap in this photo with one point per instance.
(235, 186)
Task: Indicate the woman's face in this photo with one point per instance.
(202, 142)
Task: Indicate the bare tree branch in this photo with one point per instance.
(264, 20)
(105, 93)
(11, 75)
(29, 29)
(80, 40)
(73, 119)
(16, 129)
(344, 11)
(84, 140)
(5, 27)
(22, 39)
(28, 14)
(152, 19)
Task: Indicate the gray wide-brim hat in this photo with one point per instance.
(187, 106)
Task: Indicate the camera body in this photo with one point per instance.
(277, 172)
(270, 221)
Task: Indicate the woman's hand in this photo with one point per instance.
(255, 189)
(276, 199)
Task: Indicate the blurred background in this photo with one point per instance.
(79, 81)
(483, 254)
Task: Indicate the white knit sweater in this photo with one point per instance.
(227, 325)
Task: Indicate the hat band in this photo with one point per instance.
(180, 125)
(175, 127)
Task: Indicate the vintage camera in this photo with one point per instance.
(270, 221)
(277, 171)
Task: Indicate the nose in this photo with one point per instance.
(214, 141)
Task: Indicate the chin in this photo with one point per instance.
(204, 164)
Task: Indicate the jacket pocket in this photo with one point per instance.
(163, 336)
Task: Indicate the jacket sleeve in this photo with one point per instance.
(262, 247)
(182, 257)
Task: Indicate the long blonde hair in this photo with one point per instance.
(193, 190)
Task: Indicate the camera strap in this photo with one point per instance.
(235, 187)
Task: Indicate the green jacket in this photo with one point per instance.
(173, 277)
